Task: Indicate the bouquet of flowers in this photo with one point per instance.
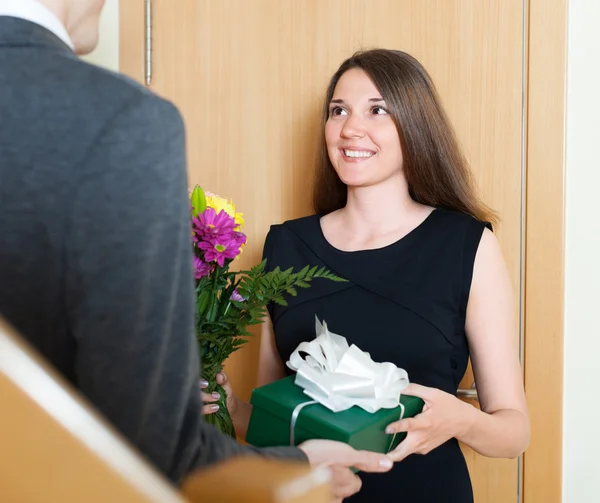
(228, 302)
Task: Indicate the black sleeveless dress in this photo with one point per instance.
(404, 303)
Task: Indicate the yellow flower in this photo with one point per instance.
(219, 203)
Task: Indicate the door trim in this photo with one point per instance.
(545, 247)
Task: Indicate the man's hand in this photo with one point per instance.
(340, 457)
(344, 483)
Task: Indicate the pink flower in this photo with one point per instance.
(209, 224)
(237, 297)
(221, 248)
(201, 268)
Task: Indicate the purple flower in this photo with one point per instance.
(237, 297)
(201, 268)
(209, 224)
(220, 248)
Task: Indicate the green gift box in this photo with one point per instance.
(274, 404)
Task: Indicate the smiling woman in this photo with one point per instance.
(394, 91)
(362, 139)
(397, 216)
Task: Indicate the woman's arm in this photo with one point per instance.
(270, 366)
(501, 428)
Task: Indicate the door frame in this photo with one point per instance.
(544, 250)
(543, 231)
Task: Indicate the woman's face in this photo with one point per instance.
(362, 140)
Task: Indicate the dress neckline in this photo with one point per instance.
(381, 251)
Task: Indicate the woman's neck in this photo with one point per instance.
(381, 208)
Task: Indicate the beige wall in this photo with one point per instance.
(107, 52)
(581, 439)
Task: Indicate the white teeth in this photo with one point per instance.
(357, 153)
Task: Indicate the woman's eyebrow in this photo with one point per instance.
(372, 100)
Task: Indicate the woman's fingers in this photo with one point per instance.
(223, 381)
(209, 397)
(209, 409)
(407, 447)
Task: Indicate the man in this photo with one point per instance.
(95, 258)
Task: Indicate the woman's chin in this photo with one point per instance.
(353, 179)
(365, 178)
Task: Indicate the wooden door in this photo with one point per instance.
(249, 77)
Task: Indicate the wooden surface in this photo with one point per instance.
(544, 299)
(55, 448)
(256, 480)
(249, 76)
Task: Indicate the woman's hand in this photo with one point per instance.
(444, 417)
(208, 399)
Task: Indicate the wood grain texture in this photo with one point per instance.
(544, 298)
(259, 480)
(249, 77)
(49, 447)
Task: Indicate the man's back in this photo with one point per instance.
(69, 171)
(54, 110)
(95, 256)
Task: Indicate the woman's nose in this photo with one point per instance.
(353, 127)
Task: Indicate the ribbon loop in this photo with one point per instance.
(340, 376)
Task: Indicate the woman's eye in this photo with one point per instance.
(338, 111)
(379, 111)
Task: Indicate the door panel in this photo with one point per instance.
(249, 77)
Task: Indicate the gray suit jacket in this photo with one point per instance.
(95, 254)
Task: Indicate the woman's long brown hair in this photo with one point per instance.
(436, 170)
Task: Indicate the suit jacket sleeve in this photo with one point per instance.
(129, 291)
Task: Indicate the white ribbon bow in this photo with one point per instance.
(338, 376)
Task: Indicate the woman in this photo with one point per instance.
(397, 215)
